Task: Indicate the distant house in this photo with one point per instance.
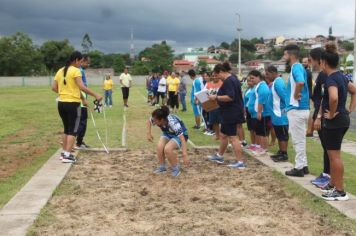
(193, 54)
(182, 65)
(211, 62)
(258, 64)
(279, 41)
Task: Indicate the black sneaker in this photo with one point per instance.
(335, 195)
(69, 159)
(280, 158)
(196, 127)
(84, 145)
(276, 155)
(328, 188)
(306, 170)
(295, 172)
(244, 143)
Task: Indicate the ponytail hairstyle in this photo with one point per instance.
(73, 57)
(222, 67)
(161, 113)
(330, 55)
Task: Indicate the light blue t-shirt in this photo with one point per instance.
(247, 96)
(297, 75)
(251, 103)
(196, 87)
(277, 103)
(263, 93)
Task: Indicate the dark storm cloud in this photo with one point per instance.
(183, 23)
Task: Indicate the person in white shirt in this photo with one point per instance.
(125, 82)
(162, 88)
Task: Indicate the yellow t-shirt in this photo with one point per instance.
(173, 84)
(108, 84)
(70, 91)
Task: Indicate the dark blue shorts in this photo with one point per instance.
(229, 129)
(214, 117)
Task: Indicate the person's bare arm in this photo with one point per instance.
(333, 101)
(55, 86)
(149, 131)
(184, 150)
(259, 111)
(298, 88)
(82, 87)
(224, 98)
(352, 90)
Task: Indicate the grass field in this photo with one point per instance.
(31, 130)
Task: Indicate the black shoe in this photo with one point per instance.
(69, 159)
(295, 172)
(280, 158)
(276, 155)
(196, 127)
(306, 170)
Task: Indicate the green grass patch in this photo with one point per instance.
(329, 214)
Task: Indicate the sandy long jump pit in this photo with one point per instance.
(119, 195)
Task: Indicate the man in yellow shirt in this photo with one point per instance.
(173, 84)
(108, 88)
(125, 82)
(68, 84)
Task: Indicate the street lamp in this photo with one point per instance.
(239, 29)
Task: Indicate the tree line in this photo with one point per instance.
(20, 56)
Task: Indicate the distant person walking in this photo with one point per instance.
(126, 83)
(68, 83)
(108, 89)
(197, 86)
(182, 90)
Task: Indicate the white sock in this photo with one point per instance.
(66, 154)
(218, 155)
(240, 162)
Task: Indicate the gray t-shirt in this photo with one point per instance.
(183, 85)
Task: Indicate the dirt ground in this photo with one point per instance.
(119, 195)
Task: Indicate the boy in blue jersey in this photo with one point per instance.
(249, 120)
(297, 107)
(197, 86)
(278, 113)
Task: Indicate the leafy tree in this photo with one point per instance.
(56, 53)
(96, 59)
(158, 55)
(87, 44)
(19, 56)
(115, 61)
(224, 45)
(202, 64)
(347, 45)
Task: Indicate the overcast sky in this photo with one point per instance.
(182, 23)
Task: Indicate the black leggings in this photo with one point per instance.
(325, 153)
(82, 126)
(173, 100)
(70, 113)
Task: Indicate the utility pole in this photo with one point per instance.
(239, 29)
(354, 64)
(132, 46)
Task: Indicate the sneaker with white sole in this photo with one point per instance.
(238, 165)
(160, 170)
(217, 158)
(335, 195)
(69, 159)
(175, 171)
(328, 188)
